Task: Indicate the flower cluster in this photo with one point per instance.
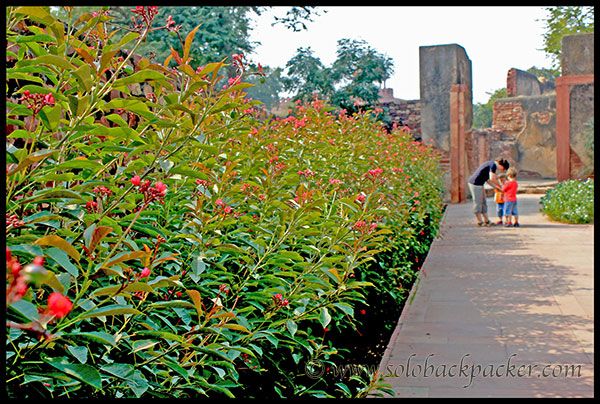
(238, 62)
(203, 183)
(280, 301)
(144, 273)
(376, 172)
(363, 227)
(59, 305)
(36, 102)
(13, 221)
(306, 173)
(17, 284)
(102, 191)
(91, 206)
(151, 193)
(224, 209)
(146, 14)
(171, 25)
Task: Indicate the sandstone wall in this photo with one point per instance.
(440, 67)
(524, 132)
(577, 59)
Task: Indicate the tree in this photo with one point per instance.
(358, 70)
(266, 88)
(223, 31)
(561, 21)
(542, 73)
(307, 76)
(355, 75)
(483, 114)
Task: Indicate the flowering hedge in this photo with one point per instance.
(174, 244)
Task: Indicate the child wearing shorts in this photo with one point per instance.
(510, 199)
(499, 199)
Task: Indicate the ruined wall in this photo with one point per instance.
(406, 113)
(440, 67)
(524, 132)
(577, 59)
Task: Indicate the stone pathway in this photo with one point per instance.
(499, 312)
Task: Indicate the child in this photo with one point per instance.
(510, 198)
(498, 198)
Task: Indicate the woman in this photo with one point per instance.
(484, 173)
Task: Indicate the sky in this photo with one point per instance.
(495, 39)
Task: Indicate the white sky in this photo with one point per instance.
(496, 39)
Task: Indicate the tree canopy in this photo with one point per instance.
(355, 75)
(561, 21)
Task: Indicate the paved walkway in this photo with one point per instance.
(498, 312)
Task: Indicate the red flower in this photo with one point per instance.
(145, 272)
(59, 305)
(160, 187)
(136, 180)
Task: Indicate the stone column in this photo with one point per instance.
(574, 99)
(440, 68)
(457, 144)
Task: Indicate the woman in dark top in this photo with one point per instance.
(484, 173)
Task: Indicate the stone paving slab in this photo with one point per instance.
(498, 312)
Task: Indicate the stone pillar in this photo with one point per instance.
(441, 68)
(574, 99)
(457, 144)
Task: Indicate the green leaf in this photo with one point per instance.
(95, 336)
(51, 60)
(26, 309)
(58, 242)
(62, 258)
(135, 106)
(131, 288)
(79, 164)
(162, 334)
(324, 317)
(143, 344)
(134, 378)
(112, 310)
(84, 373)
(34, 38)
(140, 77)
(198, 267)
(29, 160)
(138, 383)
(85, 78)
(172, 303)
(291, 326)
(53, 193)
(36, 13)
(79, 352)
(50, 117)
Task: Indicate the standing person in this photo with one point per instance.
(499, 199)
(510, 199)
(484, 173)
